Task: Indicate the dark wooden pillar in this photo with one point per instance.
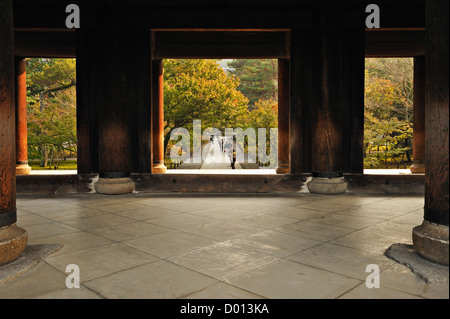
(329, 111)
(12, 238)
(87, 127)
(143, 154)
(112, 95)
(327, 132)
(431, 238)
(283, 116)
(158, 117)
(418, 165)
(22, 167)
(112, 100)
(354, 57)
(114, 119)
(301, 99)
(327, 92)
(124, 95)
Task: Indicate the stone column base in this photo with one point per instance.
(13, 241)
(417, 168)
(431, 242)
(23, 169)
(330, 186)
(114, 186)
(282, 168)
(159, 168)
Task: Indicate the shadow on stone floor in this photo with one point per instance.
(30, 257)
(428, 271)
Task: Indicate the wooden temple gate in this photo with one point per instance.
(320, 47)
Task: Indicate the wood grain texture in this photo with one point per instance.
(437, 112)
(419, 110)
(21, 111)
(7, 111)
(158, 112)
(283, 110)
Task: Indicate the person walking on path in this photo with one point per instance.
(233, 162)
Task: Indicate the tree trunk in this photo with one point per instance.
(44, 160)
(408, 156)
(166, 142)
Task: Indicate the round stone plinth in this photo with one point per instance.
(13, 241)
(417, 168)
(23, 169)
(282, 168)
(159, 169)
(114, 186)
(431, 242)
(330, 186)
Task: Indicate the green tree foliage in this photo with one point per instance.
(51, 107)
(258, 78)
(200, 90)
(259, 83)
(388, 110)
(263, 115)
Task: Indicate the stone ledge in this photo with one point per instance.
(214, 183)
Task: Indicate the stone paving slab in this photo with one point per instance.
(198, 245)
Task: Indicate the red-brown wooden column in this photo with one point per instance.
(158, 118)
(22, 167)
(12, 238)
(418, 165)
(283, 117)
(431, 238)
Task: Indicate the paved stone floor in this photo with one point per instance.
(220, 246)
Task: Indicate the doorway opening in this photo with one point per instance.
(388, 115)
(220, 116)
(51, 115)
